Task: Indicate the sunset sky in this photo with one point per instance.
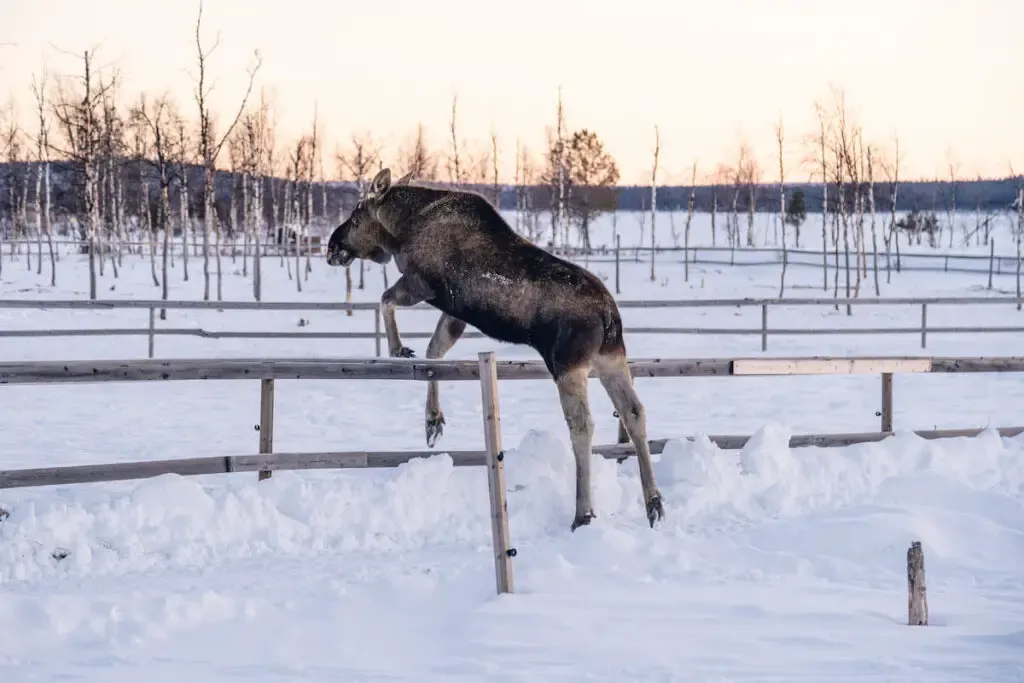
(945, 76)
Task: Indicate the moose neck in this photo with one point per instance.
(401, 204)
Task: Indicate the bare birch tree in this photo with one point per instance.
(44, 224)
(455, 170)
(689, 219)
(210, 146)
(158, 120)
(654, 193)
(782, 205)
(78, 116)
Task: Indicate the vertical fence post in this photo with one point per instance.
(618, 240)
(991, 260)
(764, 327)
(917, 592)
(886, 401)
(376, 331)
(152, 331)
(266, 421)
(503, 554)
(924, 325)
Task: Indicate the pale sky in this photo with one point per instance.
(946, 75)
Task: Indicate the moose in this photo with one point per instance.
(456, 253)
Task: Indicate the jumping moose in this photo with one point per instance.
(455, 252)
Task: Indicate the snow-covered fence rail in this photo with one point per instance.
(151, 331)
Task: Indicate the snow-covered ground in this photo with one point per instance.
(774, 564)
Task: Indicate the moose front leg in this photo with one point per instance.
(448, 331)
(407, 291)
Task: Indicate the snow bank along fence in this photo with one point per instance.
(151, 331)
(486, 369)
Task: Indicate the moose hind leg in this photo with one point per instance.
(448, 331)
(617, 381)
(572, 392)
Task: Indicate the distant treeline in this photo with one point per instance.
(986, 195)
(17, 182)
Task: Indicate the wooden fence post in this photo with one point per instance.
(503, 554)
(152, 331)
(266, 421)
(376, 331)
(618, 240)
(924, 325)
(917, 598)
(764, 327)
(886, 401)
(991, 260)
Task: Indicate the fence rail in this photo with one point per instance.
(151, 331)
(487, 370)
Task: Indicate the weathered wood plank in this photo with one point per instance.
(829, 366)
(497, 494)
(917, 593)
(82, 474)
(978, 364)
(40, 372)
(43, 372)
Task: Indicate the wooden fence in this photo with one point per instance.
(151, 331)
(487, 370)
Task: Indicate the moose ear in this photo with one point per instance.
(404, 180)
(380, 184)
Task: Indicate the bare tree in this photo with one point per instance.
(455, 171)
(140, 131)
(953, 168)
(111, 187)
(822, 143)
(891, 236)
(417, 158)
(181, 155)
(13, 143)
(362, 156)
(43, 212)
(256, 135)
(689, 219)
(1019, 232)
(314, 151)
(209, 149)
(78, 116)
(157, 118)
(494, 165)
(782, 205)
(871, 208)
(559, 213)
(654, 193)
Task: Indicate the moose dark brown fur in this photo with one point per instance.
(456, 253)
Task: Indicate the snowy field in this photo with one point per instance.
(773, 564)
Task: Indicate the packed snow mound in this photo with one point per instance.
(962, 497)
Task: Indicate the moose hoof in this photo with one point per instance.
(582, 520)
(435, 427)
(403, 352)
(655, 510)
